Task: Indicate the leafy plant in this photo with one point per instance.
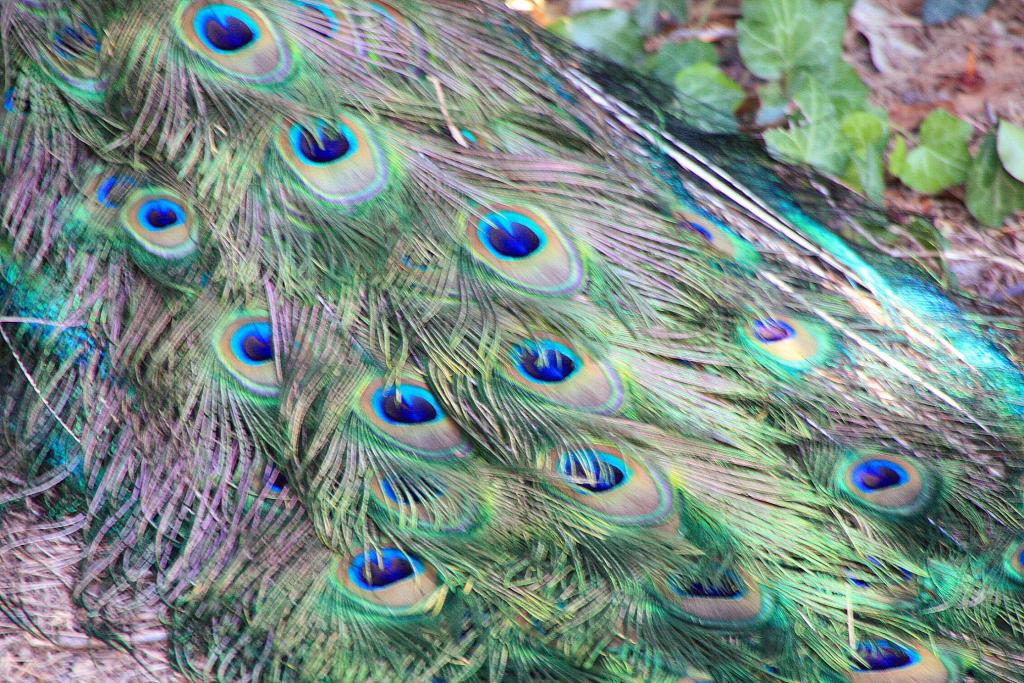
(779, 37)
(610, 32)
(992, 193)
(941, 159)
(675, 57)
(795, 47)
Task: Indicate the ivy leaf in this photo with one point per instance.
(941, 11)
(818, 140)
(646, 13)
(868, 134)
(674, 57)
(845, 89)
(898, 158)
(709, 85)
(611, 33)
(942, 158)
(1010, 145)
(777, 37)
(992, 193)
(866, 129)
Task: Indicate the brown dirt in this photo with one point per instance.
(37, 568)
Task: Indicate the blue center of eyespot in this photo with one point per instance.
(511, 235)
(409, 263)
(904, 575)
(160, 214)
(769, 330)
(9, 99)
(730, 586)
(226, 29)
(329, 142)
(406, 492)
(875, 475)
(106, 194)
(881, 655)
(699, 229)
(376, 570)
(593, 471)
(276, 480)
(71, 42)
(253, 343)
(407, 405)
(513, 239)
(324, 147)
(547, 362)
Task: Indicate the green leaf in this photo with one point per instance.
(674, 57)
(647, 11)
(1010, 145)
(709, 85)
(820, 146)
(992, 193)
(777, 37)
(868, 134)
(942, 158)
(817, 138)
(612, 33)
(814, 103)
(845, 89)
(866, 129)
(898, 158)
(941, 129)
(940, 11)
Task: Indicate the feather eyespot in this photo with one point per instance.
(1013, 563)
(390, 581)
(899, 588)
(411, 406)
(620, 489)
(887, 484)
(786, 342)
(719, 238)
(340, 161)
(555, 370)
(408, 415)
(883, 661)
(112, 190)
(236, 38)
(322, 16)
(160, 222)
(74, 58)
(276, 480)
(730, 601)
(772, 331)
(546, 362)
(525, 249)
(324, 19)
(589, 471)
(245, 348)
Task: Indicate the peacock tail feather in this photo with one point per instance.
(396, 342)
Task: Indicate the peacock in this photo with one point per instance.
(395, 341)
